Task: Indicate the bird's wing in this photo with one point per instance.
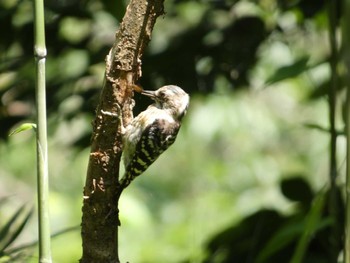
(155, 139)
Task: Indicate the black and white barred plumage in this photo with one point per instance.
(152, 131)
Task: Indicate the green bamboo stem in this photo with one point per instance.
(42, 157)
(347, 204)
(346, 58)
(333, 204)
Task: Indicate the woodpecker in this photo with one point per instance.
(152, 131)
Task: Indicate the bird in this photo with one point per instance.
(152, 131)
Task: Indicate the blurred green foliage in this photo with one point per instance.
(10, 229)
(257, 72)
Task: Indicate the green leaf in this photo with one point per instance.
(288, 234)
(289, 71)
(281, 239)
(312, 223)
(10, 231)
(23, 127)
(35, 243)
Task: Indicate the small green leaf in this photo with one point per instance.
(23, 127)
(322, 129)
(316, 127)
(289, 71)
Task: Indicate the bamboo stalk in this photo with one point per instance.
(347, 204)
(42, 156)
(346, 59)
(333, 204)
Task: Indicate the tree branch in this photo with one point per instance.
(123, 68)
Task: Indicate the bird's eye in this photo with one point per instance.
(161, 94)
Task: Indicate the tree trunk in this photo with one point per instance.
(100, 218)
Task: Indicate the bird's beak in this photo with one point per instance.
(137, 88)
(149, 93)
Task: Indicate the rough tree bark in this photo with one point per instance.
(123, 67)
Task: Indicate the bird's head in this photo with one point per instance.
(171, 98)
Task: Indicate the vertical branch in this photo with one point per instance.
(346, 60)
(42, 157)
(332, 94)
(101, 192)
